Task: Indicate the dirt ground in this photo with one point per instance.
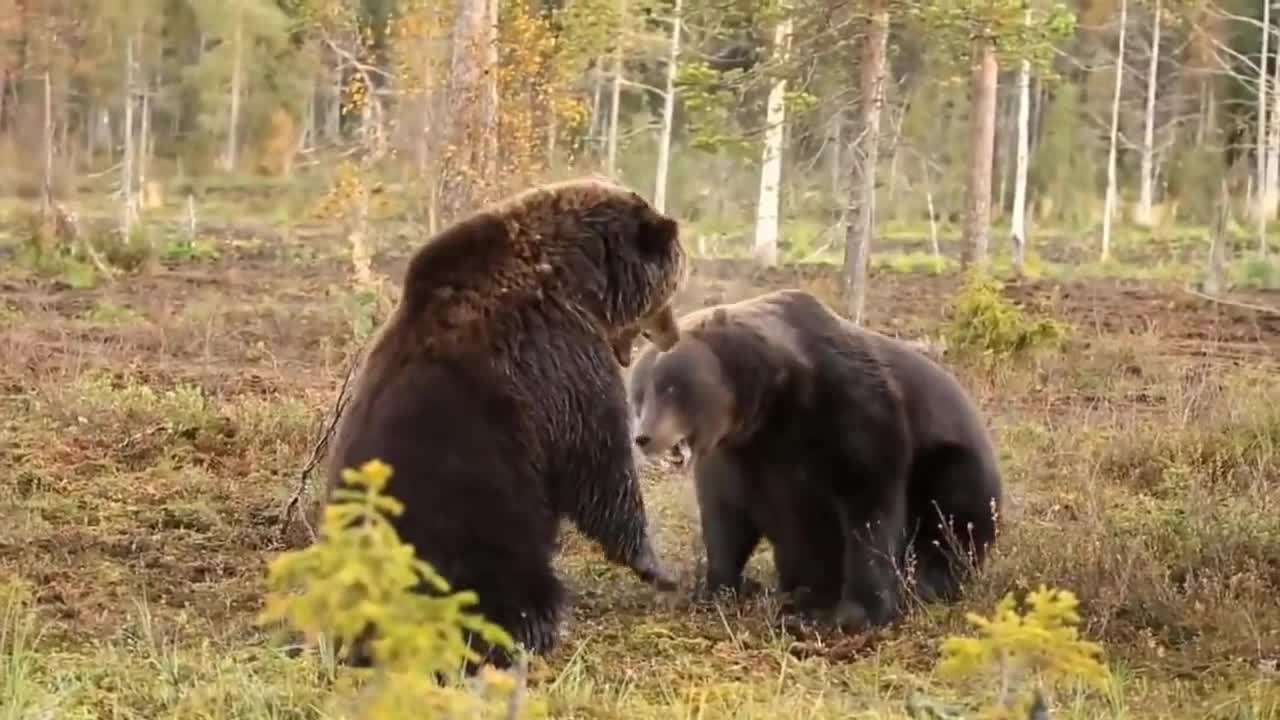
(152, 430)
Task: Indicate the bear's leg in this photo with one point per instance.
(955, 520)
(868, 595)
(728, 533)
(601, 486)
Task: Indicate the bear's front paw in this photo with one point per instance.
(658, 578)
(725, 590)
(651, 571)
(850, 616)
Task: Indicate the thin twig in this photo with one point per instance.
(318, 451)
(1235, 303)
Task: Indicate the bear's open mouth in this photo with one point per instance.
(680, 453)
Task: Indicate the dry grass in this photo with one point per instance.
(151, 429)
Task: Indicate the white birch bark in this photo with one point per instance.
(1110, 204)
(668, 112)
(765, 248)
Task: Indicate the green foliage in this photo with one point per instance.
(45, 249)
(953, 25)
(707, 97)
(983, 322)
(1256, 272)
(362, 306)
(20, 695)
(1014, 650)
(360, 580)
(912, 263)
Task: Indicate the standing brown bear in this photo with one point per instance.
(843, 447)
(494, 393)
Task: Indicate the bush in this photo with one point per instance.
(983, 322)
(1015, 653)
(358, 584)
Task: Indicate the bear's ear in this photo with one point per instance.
(656, 233)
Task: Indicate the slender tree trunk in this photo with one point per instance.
(237, 70)
(1109, 205)
(1213, 278)
(127, 170)
(46, 196)
(836, 144)
(490, 39)
(895, 137)
(1018, 221)
(1271, 188)
(1260, 203)
(933, 215)
(862, 191)
(144, 139)
(594, 132)
(668, 110)
(1146, 190)
(765, 248)
(615, 98)
(982, 147)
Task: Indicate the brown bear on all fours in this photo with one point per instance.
(842, 447)
(494, 392)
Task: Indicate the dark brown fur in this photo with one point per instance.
(831, 441)
(494, 393)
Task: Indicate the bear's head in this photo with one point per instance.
(638, 259)
(681, 400)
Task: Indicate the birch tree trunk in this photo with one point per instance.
(862, 191)
(765, 248)
(1146, 190)
(1018, 219)
(1271, 186)
(237, 71)
(47, 195)
(127, 214)
(1109, 205)
(611, 162)
(982, 147)
(1260, 202)
(668, 111)
(144, 141)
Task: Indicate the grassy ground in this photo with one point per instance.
(152, 428)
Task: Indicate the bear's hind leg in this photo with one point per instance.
(955, 520)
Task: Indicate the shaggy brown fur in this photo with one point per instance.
(494, 393)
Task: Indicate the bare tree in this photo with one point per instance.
(1109, 203)
(237, 80)
(668, 111)
(1147, 173)
(981, 148)
(862, 191)
(611, 165)
(765, 247)
(1018, 221)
